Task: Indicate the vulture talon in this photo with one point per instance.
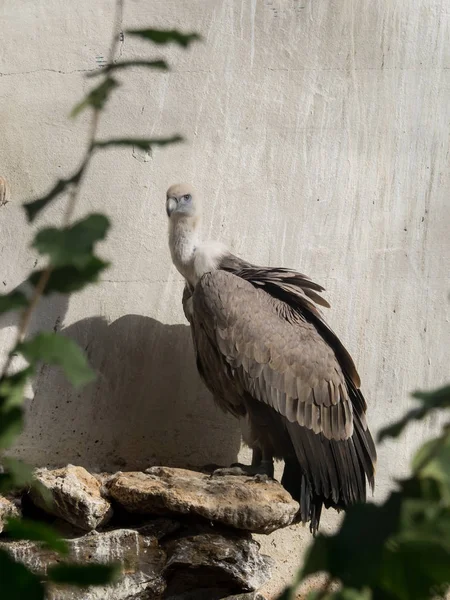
(262, 470)
(235, 470)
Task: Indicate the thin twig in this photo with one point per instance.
(73, 197)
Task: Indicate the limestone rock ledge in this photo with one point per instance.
(255, 504)
(178, 534)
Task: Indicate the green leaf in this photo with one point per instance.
(96, 97)
(344, 555)
(17, 582)
(17, 474)
(55, 349)
(160, 65)
(66, 280)
(162, 36)
(422, 519)
(72, 245)
(12, 388)
(439, 398)
(436, 399)
(11, 425)
(12, 301)
(411, 569)
(25, 529)
(83, 575)
(420, 488)
(34, 207)
(317, 556)
(142, 143)
(432, 461)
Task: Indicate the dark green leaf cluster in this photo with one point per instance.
(12, 301)
(72, 245)
(71, 265)
(70, 253)
(429, 402)
(399, 550)
(55, 349)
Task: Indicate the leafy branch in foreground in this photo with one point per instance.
(71, 265)
(430, 401)
(399, 550)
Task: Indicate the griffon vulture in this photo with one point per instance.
(267, 355)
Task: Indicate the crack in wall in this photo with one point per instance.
(275, 69)
(48, 71)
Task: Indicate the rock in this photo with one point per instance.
(159, 528)
(212, 561)
(250, 503)
(142, 558)
(76, 496)
(7, 509)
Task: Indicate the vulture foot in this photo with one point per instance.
(264, 468)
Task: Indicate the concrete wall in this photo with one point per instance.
(317, 133)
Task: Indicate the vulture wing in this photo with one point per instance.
(264, 350)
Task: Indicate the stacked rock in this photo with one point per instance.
(177, 534)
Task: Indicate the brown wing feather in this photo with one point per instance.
(298, 365)
(298, 291)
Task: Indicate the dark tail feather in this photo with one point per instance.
(295, 482)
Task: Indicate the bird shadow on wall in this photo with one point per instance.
(147, 407)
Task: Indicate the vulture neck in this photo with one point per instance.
(192, 257)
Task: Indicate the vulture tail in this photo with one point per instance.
(330, 473)
(295, 482)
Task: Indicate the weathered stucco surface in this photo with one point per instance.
(317, 133)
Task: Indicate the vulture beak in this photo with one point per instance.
(171, 205)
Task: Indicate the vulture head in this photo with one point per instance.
(182, 202)
(192, 256)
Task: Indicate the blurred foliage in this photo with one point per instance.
(71, 265)
(400, 549)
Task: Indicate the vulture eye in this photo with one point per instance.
(187, 197)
